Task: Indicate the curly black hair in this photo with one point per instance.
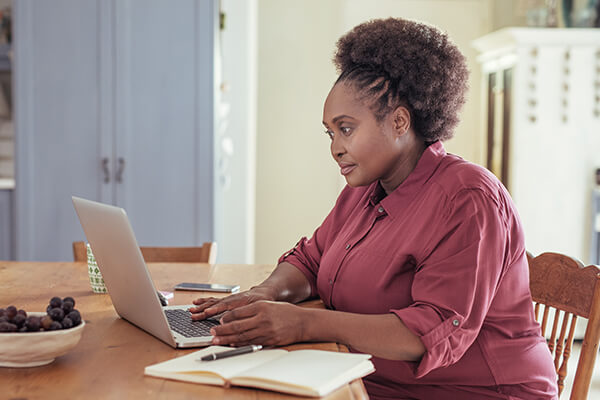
(395, 62)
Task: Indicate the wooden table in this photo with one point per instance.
(109, 360)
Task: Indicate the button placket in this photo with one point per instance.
(353, 239)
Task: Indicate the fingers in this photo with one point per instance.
(208, 307)
(257, 323)
(202, 305)
(200, 314)
(212, 307)
(239, 326)
(238, 332)
(204, 300)
(242, 313)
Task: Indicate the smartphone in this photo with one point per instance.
(207, 287)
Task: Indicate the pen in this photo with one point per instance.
(230, 353)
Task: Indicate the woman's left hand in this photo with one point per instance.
(268, 323)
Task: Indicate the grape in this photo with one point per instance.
(22, 329)
(67, 307)
(57, 314)
(19, 320)
(67, 323)
(72, 300)
(4, 318)
(46, 322)
(11, 311)
(56, 302)
(33, 324)
(54, 326)
(2, 312)
(75, 317)
(22, 312)
(7, 327)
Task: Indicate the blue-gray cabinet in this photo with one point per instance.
(114, 101)
(6, 224)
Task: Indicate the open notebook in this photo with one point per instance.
(312, 373)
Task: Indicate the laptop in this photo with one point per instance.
(128, 281)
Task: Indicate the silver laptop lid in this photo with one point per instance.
(122, 265)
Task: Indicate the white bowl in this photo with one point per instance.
(32, 349)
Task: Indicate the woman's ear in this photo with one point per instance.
(401, 122)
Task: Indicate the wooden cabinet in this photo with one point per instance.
(543, 129)
(114, 102)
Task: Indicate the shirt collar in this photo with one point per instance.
(426, 166)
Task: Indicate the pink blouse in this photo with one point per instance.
(445, 252)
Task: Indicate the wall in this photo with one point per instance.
(297, 180)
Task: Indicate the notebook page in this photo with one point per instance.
(316, 369)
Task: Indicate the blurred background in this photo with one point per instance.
(202, 118)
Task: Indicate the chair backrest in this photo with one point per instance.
(562, 283)
(207, 253)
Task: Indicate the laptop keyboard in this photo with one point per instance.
(181, 322)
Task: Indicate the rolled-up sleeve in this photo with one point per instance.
(306, 256)
(456, 279)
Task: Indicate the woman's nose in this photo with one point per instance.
(337, 148)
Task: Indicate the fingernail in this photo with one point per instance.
(209, 309)
(216, 341)
(212, 332)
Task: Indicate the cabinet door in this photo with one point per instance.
(164, 123)
(57, 110)
(128, 80)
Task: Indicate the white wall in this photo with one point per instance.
(297, 180)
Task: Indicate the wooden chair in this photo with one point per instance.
(564, 284)
(207, 253)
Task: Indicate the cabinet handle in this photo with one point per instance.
(105, 170)
(119, 175)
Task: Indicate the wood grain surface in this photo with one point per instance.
(109, 361)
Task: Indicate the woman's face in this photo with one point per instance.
(367, 150)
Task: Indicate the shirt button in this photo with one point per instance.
(380, 209)
(455, 322)
(331, 282)
(347, 246)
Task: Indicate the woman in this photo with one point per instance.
(422, 261)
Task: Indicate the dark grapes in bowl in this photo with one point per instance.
(30, 339)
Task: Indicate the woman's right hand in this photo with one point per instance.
(207, 307)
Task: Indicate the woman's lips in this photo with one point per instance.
(346, 169)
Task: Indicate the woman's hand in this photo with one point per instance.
(207, 307)
(268, 323)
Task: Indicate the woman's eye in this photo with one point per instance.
(346, 130)
(329, 133)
